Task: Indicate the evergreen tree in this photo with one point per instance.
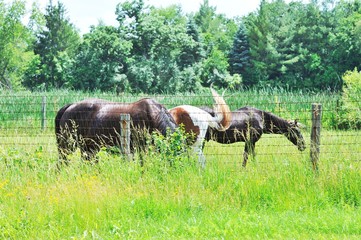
(258, 26)
(205, 17)
(239, 56)
(56, 46)
(191, 53)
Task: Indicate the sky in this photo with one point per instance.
(83, 14)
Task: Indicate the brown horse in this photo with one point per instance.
(248, 124)
(93, 123)
(196, 121)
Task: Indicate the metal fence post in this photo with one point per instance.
(125, 134)
(43, 113)
(315, 134)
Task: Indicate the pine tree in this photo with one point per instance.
(56, 46)
(192, 53)
(239, 56)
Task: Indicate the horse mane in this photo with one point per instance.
(208, 110)
(163, 120)
(274, 123)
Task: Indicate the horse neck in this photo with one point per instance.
(274, 124)
(164, 120)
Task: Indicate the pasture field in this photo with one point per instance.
(278, 195)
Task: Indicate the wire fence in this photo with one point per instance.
(27, 124)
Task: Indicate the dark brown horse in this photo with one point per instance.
(248, 124)
(93, 123)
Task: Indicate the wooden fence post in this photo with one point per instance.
(125, 134)
(43, 113)
(315, 134)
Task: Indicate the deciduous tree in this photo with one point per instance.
(15, 44)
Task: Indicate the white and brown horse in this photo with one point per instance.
(197, 121)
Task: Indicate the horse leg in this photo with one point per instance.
(141, 159)
(62, 139)
(201, 159)
(64, 149)
(63, 159)
(89, 151)
(198, 148)
(245, 158)
(248, 149)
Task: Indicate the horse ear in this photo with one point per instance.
(295, 123)
(292, 123)
(298, 124)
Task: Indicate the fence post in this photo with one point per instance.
(125, 134)
(43, 113)
(315, 134)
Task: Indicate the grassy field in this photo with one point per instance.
(278, 195)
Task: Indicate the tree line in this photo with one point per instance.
(292, 45)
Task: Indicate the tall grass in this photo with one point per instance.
(276, 196)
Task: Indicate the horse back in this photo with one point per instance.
(247, 122)
(80, 116)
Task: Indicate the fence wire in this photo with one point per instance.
(27, 124)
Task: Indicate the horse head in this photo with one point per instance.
(295, 136)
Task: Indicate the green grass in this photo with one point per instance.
(278, 195)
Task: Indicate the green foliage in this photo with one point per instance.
(191, 79)
(217, 34)
(193, 52)
(345, 40)
(300, 45)
(215, 69)
(160, 41)
(56, 46)
(350, 111)
(100, 60)
(234, 82)
(293, 45)
(172, 149)
(15, 39)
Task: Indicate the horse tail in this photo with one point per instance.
(222, 113)
(58, 118)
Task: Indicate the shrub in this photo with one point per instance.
(171, 149)
(349, 116)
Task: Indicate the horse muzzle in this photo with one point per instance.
(301, 146)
